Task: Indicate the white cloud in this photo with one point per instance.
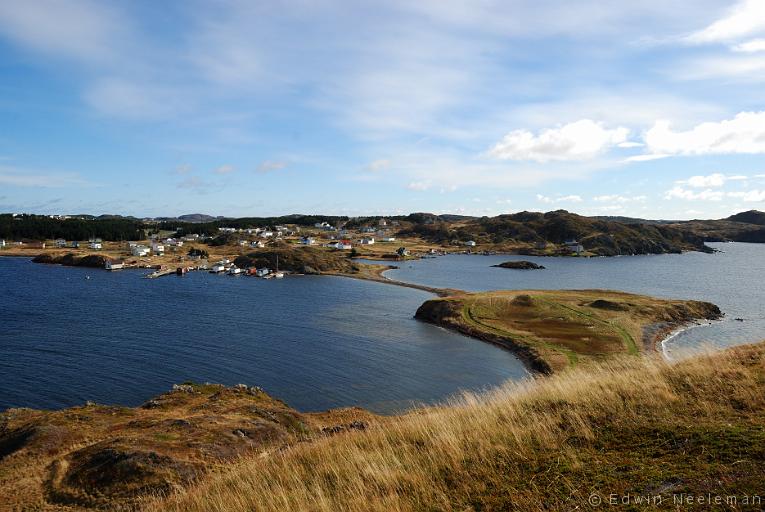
(559, 199)
(224, 169)
(419, 185)
(690, 195)
(378, 165)
(746, 18)
(745, 133)
(271, 165)
(753, 46)
(630, 144)
(580, 140)
(713, 180)
(646, 158)
(750, 196)
(615, 198)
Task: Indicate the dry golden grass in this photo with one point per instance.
(631, 425)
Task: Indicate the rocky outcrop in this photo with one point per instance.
(110, 458)
(520, 265)
(303, 260)
(72, 260)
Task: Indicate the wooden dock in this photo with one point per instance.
(160, 272)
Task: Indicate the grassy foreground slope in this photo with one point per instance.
(100, 457)
(630, 426)
(552, 330)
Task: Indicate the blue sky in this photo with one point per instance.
(476, 107)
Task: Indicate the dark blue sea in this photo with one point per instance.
(313, 342)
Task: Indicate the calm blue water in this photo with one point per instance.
(314, 342)
(734, 279)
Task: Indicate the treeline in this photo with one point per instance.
(211, 228)
(41, 227)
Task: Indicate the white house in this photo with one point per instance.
(470, 243)
(574, 247)
(257, 244)
(95, 246)
(262, 272)
(307, 240)
(388, 239)
(139, 251)
(341, 245)
(157, 248)
(2, 244)
(267, 234)
(60, 242)
(114, 264)
(367, 241)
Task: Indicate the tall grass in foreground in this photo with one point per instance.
(636, 425)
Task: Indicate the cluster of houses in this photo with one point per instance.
(275, 232)
(230, 268)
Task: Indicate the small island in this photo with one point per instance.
(520, 265)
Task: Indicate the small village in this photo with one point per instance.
(172, 252)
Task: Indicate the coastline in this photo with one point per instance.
(655, 336)
(678, 331)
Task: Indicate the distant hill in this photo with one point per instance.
(742, 227)
(750, 217)
(597, 236)
(631, 220)
(198, 217)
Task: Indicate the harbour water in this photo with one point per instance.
(732, 278)
(68, 335)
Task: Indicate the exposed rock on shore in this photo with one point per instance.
(72, 260)
(520, 265)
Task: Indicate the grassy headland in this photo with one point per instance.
(552, 330)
